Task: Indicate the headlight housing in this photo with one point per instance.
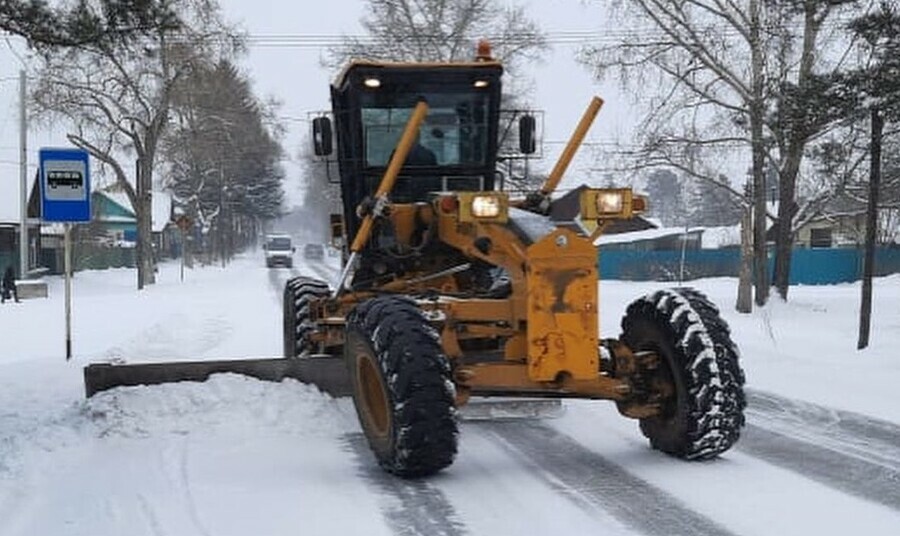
(611, 204)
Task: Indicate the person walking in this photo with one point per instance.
(8, 286)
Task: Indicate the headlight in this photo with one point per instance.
(480, 207)
(485, 206)
(610, 202)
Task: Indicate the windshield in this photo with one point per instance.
(454, 132)
(280, 243)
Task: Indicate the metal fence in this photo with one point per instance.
(808, 266)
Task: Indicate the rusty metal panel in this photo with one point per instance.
(562, 308)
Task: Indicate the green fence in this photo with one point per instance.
(94, 257)
(808, 266)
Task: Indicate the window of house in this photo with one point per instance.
(820, 238)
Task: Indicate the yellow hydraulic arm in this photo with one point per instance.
(384, 188)
(572, 146)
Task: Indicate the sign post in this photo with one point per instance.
(184, 223)
(65, 182)
(68, 268)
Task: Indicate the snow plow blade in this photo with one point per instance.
(329, 374)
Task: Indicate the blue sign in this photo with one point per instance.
(65, 177)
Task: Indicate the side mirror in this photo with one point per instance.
(322, 135)
(293, 249)
(527, 128)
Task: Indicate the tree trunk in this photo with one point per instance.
(784, 237)
(757, 117)
(144, 214)
(137, 206)
(787, 188)
(745, 275)
(865, 308)
(760, 257)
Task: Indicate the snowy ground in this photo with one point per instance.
(820, 454)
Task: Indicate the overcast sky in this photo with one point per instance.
(561, 87)
(294, 76)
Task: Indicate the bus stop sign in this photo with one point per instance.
(65, 185)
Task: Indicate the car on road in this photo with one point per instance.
(314, 252)
(279, 251)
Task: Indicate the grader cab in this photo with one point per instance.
(454, 288)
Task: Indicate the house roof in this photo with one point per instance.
(161, 208)
(119, 198)
(720, 237)
(649, 234)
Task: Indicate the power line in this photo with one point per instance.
(558, 37)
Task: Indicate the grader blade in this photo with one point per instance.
(329, 374)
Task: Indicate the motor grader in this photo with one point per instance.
(454, 288)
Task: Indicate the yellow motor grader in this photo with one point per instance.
(454, 288)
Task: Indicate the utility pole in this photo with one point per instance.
(23, 179)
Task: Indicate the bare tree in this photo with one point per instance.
(719, 67)
(118, 99)
(441, 30)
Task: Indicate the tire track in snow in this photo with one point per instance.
(847, 451)
(594, 482)
(184, 485)
(150, 515)
(850, 433)
(849, 474)
(421, 508)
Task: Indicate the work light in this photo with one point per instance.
(485, 206)
(610, 202)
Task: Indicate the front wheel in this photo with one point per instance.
(402, 387)
(703, 415)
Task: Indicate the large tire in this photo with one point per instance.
(402, 387)
(704, 416)
(299, 293)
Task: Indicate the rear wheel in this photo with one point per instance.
(402, 387)
(299, 294)
(704, 415)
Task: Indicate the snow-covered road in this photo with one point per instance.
(820, 454)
